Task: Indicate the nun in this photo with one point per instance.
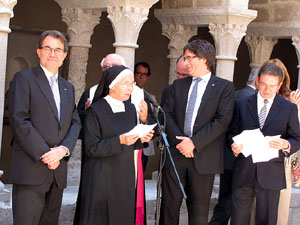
(112, 191)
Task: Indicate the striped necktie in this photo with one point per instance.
(55, 91)
(262, 114)
(190, 109)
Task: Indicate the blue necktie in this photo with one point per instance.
(190, 109)
(55, 91)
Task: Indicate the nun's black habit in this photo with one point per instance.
(107, 195)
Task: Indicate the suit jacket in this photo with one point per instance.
(282, 119)
(34, 120)
(213, 117)
(165, 94)
(245, 92)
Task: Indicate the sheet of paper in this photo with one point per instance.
(136, 96)
(141, 129)
(257, 145)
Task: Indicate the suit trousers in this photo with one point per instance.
(37, 204)
(198, 188)
(266, 205)
(222, 210)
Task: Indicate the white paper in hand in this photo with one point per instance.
(141, 130)
(137, 96)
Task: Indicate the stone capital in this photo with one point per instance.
(260, 49)
(81, 23)
(127, 22)
(179, 36)
(6, 12)
(227, 39)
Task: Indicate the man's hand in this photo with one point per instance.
(186, 146)
(279, 144)
(54, 155)
(143, 113)
(237, 149)
(147, 137)
(54, 165)
(87, 103)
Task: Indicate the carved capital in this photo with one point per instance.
(227, 39)
(6, 12)
(260, 49)
(127, 22)
(179, 36)
(296, 43)
(81, 23)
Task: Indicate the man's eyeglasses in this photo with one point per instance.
(262, 84)
(141, 74)
(189, 58)
(106, 66)
(49, 50)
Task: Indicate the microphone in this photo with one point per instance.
(148, 98)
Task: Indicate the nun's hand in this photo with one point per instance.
(128, 139)
(147, 137)
(143, 113)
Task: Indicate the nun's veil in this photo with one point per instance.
(108, 76)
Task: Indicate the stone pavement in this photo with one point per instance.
(70, 196)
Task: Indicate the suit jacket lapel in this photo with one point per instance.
(63, 97)
(252, 108)
(275, 108)
(212, 83)
(45, 88)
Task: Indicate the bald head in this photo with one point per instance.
(181, 70)
(112, 60)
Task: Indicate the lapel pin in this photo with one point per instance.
(65, 89)
(213, 85)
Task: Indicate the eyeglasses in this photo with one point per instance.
(49, 50)
(262, 84)
(182, 75)
(189, 58)
(106, 66)
(141, 74)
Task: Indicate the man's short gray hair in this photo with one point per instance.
(252, 76)
(123, 63)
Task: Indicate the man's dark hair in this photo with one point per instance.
(272, 69)
(205, 50)
(143, 64)
(54, 34)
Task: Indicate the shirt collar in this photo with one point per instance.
(48, 73)
(205, 77)
(261, 99)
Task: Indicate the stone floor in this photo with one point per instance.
(70, 196)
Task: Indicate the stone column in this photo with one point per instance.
(227, 40)
(260, 49)
(6, 12)
(179, 36)
(127, 18)
(296, 43)
(81, 23)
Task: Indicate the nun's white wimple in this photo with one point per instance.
(119, 77)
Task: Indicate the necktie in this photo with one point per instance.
(262, 114)
(55, 91)
(190, 109)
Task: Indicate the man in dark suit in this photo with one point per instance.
(222, 210)
(198, 112)
(274, 115)
(45, 125)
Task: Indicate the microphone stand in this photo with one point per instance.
(163, 144)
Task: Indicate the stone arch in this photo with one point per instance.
(14, 65)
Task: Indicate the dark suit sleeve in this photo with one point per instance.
(234, 127)
(25, 134)
(71, 137)
(222, 117)
(293, 131)
(172, 128)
